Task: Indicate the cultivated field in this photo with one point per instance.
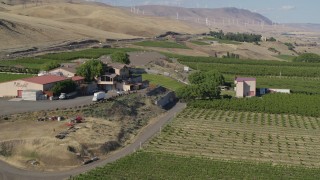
(40, 62)
(164, 81)
(8, 77)
(230, 135)
(162, 44)
(298, 77)
(152, 165)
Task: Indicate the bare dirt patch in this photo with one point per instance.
(28, 143)
(35, 141)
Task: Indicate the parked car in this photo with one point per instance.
(63, 96)
(68, 96)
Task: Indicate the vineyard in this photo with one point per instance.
(9, 77)
(299, 77)
(300, 104)
(257, 70)
(41, 61)
(185, 59)
(151, 165)
(232, 135)
(295, 84)
(161, 44)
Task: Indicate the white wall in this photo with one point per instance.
(11, 88)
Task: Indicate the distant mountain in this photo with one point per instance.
(219, 15)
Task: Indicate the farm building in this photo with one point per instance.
(39, 83)
(245, 87)
(66, 70)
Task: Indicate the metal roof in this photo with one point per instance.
(46, 79)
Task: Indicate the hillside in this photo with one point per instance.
(228, 19)
(51, 23)
(229, 15)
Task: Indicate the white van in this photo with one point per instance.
(99, 96)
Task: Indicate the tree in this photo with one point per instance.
(272, 39)
(203, 85)
(120, 57)
(308, 57)
(67, 86)
(90, 69)
(197, 77)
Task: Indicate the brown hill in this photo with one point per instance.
(59, 22)
(106, 18)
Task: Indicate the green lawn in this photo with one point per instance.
(151, 165)
(162, 44)
(163, 81)
(9, 77)
(200, 43)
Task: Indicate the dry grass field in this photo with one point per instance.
(53, 23)
(237, 136)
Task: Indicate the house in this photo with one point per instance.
(121, 70)
(245, 87)
(43, 83)
(66, 70)
(108, 81)
(117, 77)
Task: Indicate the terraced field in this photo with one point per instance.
(230, 135)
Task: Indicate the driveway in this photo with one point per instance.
(8, 172)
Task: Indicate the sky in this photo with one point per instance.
(280, 11)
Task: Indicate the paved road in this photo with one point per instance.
(8, 172)
(13, 107)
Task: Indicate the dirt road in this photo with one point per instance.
(8, 172)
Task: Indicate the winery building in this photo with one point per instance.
(15, 88)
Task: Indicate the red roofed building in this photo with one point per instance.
(42, 83)
(245, 87)
(78, 79)
(44, 80)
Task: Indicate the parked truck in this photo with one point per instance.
(99, 96)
